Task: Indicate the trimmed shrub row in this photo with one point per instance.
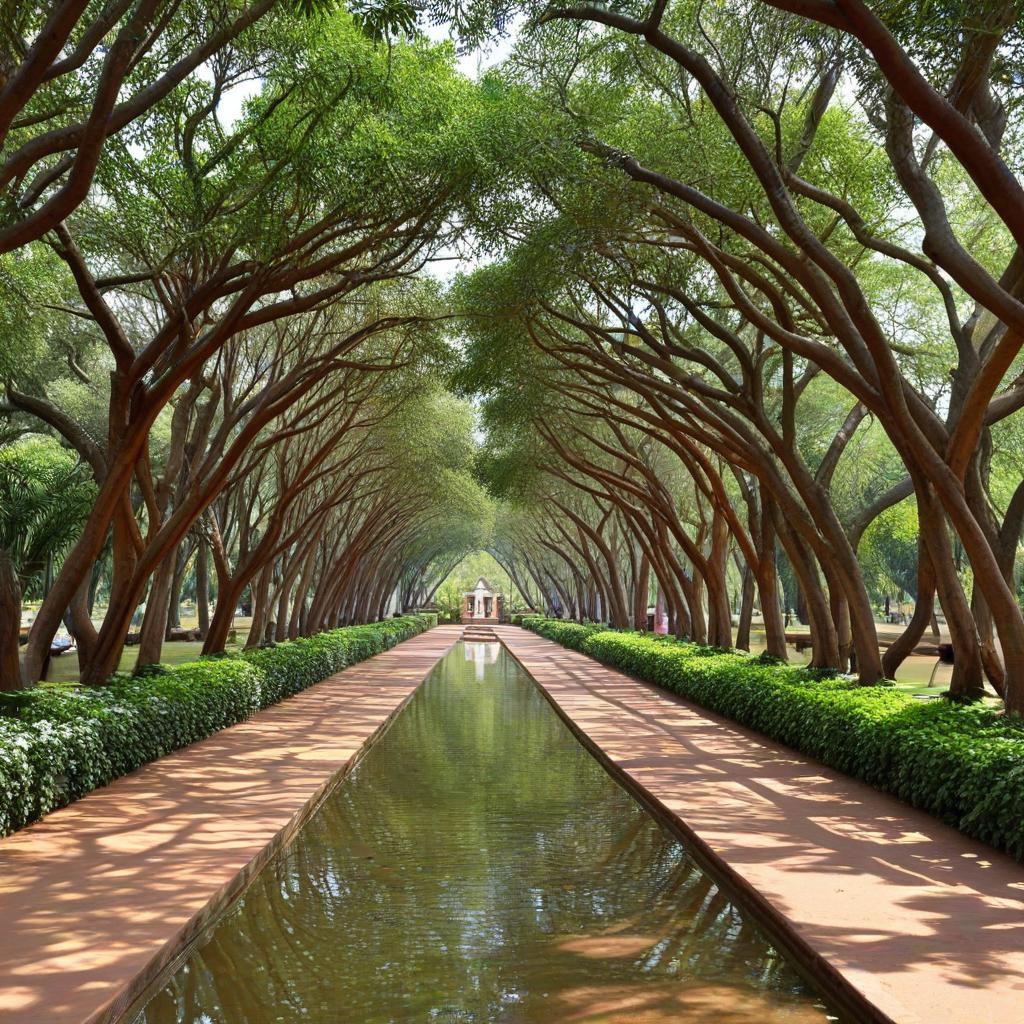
(964, 764)
(58, 743)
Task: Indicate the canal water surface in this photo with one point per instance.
(478, 865)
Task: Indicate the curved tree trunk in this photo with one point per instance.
(746, 614)
(719, 611)
(82, 628)
(177, 584)
(824, 641)
(202, 571)
(905, 643)
(767, 576)
(641, 588)
(968, 680)
(155, 621)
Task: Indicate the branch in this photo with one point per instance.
(76, 436)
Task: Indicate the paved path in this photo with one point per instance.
(926, 924)
(105, 889)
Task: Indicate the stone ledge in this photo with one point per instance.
(98, 897)
(891, 909)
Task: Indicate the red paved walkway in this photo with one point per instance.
(927, 924)
(99, 890)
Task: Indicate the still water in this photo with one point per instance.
(478, 865)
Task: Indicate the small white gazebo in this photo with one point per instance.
(481, 604)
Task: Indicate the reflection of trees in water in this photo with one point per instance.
(476, 864)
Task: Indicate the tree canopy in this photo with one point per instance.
(735, 339)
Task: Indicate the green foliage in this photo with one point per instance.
(888, 551)
(383, 19)
(58, 743)
(45, 497)
(28, 279)
(568, 634)
(963, 764)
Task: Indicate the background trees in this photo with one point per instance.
(745, 323)
(45, 496)
(74, 74)
(219, 320)
(771, 233)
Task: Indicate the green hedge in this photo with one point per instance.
(58, 743)
(964, 764)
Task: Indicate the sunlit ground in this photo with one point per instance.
(918, 674)
(64, 668)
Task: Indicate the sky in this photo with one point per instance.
(474, 64)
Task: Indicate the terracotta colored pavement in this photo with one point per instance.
(97, 896)
(925, 923)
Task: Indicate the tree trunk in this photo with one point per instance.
(202, 570)
(82, 628)
(746, 606)
(719, 611)
(259, 589)
(177, 583)
(10, 624)
(767, 576)
(110, 643)
(640, 594)
(154, 622)
(901, 648)
(839, 609)
(228, 593)
(968, 681)
(824, 642)
(281, 632)
(991, 663)
(296, 625)
(77, 566)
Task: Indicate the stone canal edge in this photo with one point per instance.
(98, 897)
(895, 915)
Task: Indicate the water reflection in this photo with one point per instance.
(479, 865)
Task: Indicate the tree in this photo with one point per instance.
(801, 253)
(76, 73)
(45, 496)
(217, 235)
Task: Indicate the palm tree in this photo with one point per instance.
(45, 493)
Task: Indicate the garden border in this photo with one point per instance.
(922, 921)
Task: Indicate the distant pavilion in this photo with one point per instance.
(481, 604)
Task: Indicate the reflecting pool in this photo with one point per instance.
(478, 865)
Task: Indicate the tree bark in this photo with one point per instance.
(968, 681)
(10, 624)
(905, 643)
(202, 571)
(154, 622)
(641, 587)
(82, 628)
(746, 606)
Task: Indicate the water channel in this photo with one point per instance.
(478, 865)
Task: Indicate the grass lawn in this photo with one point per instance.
(65, 668)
